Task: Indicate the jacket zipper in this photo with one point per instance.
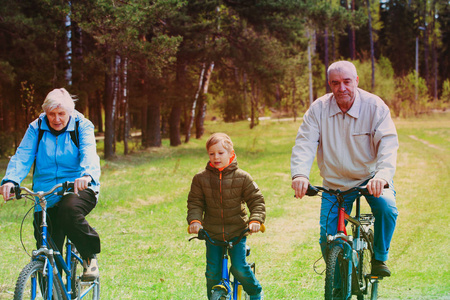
(221, 205)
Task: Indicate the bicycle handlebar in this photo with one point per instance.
(204, 235)
(314, 190)
(17, 190)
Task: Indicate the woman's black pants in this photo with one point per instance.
(67, 218)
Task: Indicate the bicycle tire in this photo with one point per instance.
(365, 266)
(79, 286)
(335, 287)
(35, 271)
(374, 291)
(219, 295)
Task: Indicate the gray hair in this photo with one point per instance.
(341, 66)
(59, 98)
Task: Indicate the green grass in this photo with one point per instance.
(141, 218)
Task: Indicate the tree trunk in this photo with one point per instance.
(372, 53)
(109, 109)
(126, 116)
(174, 124)
(153, 120)
(200, 118)
(325, 36)
(194, 104)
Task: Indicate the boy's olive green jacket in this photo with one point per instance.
(218, 200)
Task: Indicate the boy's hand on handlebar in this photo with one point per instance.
(5, 190)
(254, 227)
(375, 186)
(195, 227)
(300, 186)
(81, 183)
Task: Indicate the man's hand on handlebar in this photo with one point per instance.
(375, 186)
(5, 190)
(300, 186)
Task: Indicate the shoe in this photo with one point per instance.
(90, 271)
(260, 296)
(379, 268)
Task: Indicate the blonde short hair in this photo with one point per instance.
(59, 98)
(220, 137)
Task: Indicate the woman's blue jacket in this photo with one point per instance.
(58, 159)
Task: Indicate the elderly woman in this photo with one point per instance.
(61, 143)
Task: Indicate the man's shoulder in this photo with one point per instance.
(371, 99)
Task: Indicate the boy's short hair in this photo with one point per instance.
(220, 137)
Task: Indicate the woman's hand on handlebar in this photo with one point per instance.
(5, 190)
(300, 186)
(375, 186)
(81, 183)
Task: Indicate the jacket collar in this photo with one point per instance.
(353, 111)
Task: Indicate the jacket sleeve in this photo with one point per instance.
(255, 201)
(20, 164)
(386, 145)
(306, 144)
(196, 201)
(89, 159)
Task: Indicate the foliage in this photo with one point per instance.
(408, 88)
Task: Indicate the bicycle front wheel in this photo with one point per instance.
(219, 295)
(336, 275)
(365, 266)
(83, 289)
(33, 283)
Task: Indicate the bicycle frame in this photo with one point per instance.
(51, 256)
(351, 245)
(232, 288)
(225, 282)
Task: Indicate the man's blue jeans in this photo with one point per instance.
(240, 269)
(383, 208)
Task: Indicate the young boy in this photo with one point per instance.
(216, 202)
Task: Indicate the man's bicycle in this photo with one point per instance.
(49, 276)
(229, 288)
(348, 259)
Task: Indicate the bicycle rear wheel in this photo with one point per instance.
(80, 288)
(32, 283)
(336, 275)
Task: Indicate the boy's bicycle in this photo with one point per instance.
(43, 277)
(228, 288)
(348, 259)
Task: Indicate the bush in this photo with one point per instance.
(6, 144)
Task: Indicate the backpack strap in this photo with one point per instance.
(74, 134)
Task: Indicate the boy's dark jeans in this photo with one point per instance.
(67, 218)
(240, 269)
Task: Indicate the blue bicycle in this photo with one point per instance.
(43, 278)
(228, 288)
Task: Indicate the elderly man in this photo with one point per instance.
(356, 143)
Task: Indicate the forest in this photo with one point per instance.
(155, 67)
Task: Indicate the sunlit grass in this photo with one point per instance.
(141, 217)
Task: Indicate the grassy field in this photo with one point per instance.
(142, 210)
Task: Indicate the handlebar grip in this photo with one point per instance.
(262, 228)
(312, 191)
